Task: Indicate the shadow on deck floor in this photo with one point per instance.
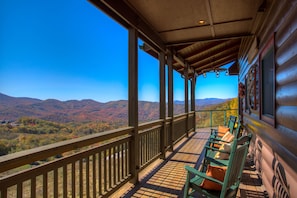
(166, 178)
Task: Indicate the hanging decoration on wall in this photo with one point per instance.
(241, 90)
(252, 89)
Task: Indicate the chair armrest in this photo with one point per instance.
(217, 162)
(201, 174)
(216, 140)
(216, 149)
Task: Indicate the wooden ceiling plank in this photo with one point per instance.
(217, 64)
(207, 52)
(215, 57)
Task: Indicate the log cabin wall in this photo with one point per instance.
(274, 148)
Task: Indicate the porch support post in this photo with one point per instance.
(170, 97)
(187, 97)
(133, 104)
(162, 102)
(193, 86)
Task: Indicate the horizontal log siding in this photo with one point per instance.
(278, 144)
(286, 76)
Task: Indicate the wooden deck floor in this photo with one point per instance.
(166, 178)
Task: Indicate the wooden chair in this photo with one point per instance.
(211, 152)
(230, 125)
(229, 183)
(212, 147)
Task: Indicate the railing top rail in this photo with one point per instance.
(207, 110)
(180, 115)
(150, 124)
(21, 158)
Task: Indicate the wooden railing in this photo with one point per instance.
(211, 118)
(91, 166)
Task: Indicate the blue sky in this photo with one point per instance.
(69, 49)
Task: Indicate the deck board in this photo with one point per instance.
(166, 178)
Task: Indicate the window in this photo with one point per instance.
(268, 83)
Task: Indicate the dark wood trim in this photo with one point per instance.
(133, 103)
(263, 51)
(162, 102)
(170, 97)
(186, 81)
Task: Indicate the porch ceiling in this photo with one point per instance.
(225, 27)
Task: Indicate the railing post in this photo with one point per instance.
(193, 84)
(210, 118)
(225, 111)
(133, 104)
(187, 97)
(162, 103)
(170, 97)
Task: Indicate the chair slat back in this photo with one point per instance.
(235, 167)
(231, 123)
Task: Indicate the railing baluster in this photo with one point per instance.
(109, 168)
(73, 179)
(33, 187)
(105, 171)
(114, 166)
(44, 180)
(100, 172)
(122, 159)
(94, 174)
(80, 183)
(20, 190)
(55, 178)
(65, 179)
(87, 176)
(127, 169)
(118, 161)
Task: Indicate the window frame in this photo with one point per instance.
(266, 49)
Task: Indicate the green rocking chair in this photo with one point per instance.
(228, 183)
(230, 125)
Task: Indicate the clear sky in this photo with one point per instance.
(69, 49)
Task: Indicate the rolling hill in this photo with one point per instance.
(13, 108)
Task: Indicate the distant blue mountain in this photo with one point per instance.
(13, 108)
(205, 101)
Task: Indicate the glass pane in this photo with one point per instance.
(267, 84)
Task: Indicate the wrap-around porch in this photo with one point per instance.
(166, 178)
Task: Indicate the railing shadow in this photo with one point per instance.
(243, 193)
(154, 184)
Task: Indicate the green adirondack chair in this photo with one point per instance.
(210, 152)
(229, 184)
(230, 125)
(216, 139)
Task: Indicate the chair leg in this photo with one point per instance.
(186, 189)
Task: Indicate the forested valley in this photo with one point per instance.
(31, 131)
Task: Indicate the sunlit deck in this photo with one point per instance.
(166, 178)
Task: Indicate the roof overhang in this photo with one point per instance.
(206, 34)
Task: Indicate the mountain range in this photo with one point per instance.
(13, 108)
